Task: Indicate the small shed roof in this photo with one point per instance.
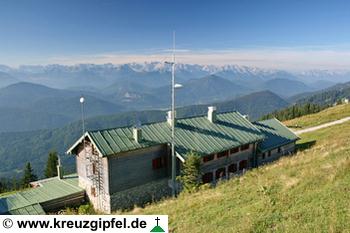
(29, 200)
(34, 209)
(276, 134)
(196, 134)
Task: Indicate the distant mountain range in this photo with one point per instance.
(27, 106)
(327, 96)
(156, 74)
(6, 79)
(334, 76)
(286, 87)
(52, 91)
(208, 89)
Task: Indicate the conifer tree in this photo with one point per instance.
(190, 173)
(2, 187)
(51, 165)
(14, 184)
(295, 111)
(28, 175)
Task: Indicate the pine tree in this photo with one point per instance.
(2, 187)
(14, 184)
(190, 173)
(295, 111)
(28, 176)
(51, 166)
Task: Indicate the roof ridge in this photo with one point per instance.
(164, 121)
(250, 123)
(232, 129)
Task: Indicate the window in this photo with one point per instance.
(279, 150)
(234, 150)
(93, 191)
(222, 154)
(208, 158)
(94, 170)
(158, 163)
(243, 164)
(221, 172)
(263, 155)
(232, 168)
(245, 147)
(269, 154)
(207, 177)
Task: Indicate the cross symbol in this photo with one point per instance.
(157, 219)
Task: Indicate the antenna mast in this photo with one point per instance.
(173, 158)
(82, 100)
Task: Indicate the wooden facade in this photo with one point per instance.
(121, 172)
(136, 168)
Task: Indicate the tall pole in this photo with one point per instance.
(82, 100)
(173, 158)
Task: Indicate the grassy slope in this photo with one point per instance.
(308, 192)
(327, 115)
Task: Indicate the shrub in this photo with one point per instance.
(86, 209)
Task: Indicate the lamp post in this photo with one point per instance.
(173, 86)
(82, 100)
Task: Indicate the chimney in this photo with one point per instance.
(137, 134)
(59, 169)
(169, 117)
(212, 114)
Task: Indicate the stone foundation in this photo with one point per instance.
(140, 195)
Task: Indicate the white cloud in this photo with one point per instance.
(295, 58)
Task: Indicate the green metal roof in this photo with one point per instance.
(50, 189)
(197, 134)
(276, 134)
(13, 203)
(34, 209)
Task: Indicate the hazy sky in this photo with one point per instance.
(280, 34)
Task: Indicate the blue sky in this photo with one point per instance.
(244, 32)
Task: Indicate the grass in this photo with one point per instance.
(307, 192)
(327, 115)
